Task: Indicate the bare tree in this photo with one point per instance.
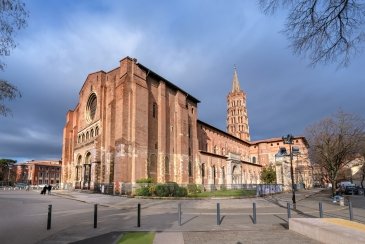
(334, 142)
(7, 92)
(327, 31)
(13, 16)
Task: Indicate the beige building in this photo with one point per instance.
(131, 123)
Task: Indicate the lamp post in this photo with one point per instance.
(289, 140)
(9, 172)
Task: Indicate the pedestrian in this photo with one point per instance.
(43, 192)
(49, 189)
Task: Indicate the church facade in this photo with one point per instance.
(130, 123)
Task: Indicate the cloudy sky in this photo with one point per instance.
(192, 43)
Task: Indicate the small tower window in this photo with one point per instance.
(253, 160)
(154, 110)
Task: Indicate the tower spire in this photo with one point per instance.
(235, 82)
(237, 119)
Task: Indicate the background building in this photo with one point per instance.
(131, 123)
(39, 172)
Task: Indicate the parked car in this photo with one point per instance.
(20, 185)
(351, 190)
(360, 190)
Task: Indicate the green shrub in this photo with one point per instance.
(143, 191)
(162, 190)
(182, 192)
(152, 189)
(172, 188)
(193, 189)
(145, 180)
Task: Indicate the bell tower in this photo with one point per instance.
(237, 119)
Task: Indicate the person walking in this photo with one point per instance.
(43, 192)
(49, 189)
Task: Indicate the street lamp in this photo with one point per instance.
(289, 140)
(9, 170)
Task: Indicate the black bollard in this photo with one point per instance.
(218, 214)
(254, 212)
(350, 210)
(288, 207)
(95, 216)
(139, 215)
(179, 214)
(49, 217)
(320, 210)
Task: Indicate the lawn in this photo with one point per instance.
(137, 238)
(226, 193)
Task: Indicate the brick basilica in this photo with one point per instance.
(131, 123)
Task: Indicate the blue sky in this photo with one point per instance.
(193, 43)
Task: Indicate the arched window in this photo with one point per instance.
(253, 160)
(92, 133)
(79, 160)
(88, 158)
(91, 107)
(87, 136)
(96, 131)
(79, 139)
(83, 137)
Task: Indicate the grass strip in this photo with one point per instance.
(225, 193)
(137, 238)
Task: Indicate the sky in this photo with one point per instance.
(194, 44)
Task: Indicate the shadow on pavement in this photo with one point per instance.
(105, 238)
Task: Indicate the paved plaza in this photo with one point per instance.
(24, 217)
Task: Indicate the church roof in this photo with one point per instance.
(278, 139)
(170, 84)
(223, 132)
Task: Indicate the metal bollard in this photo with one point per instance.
(320, 210)
(254, 212)
(49, 219)
(288, 207)
(179, 214)
(350, 210)
(95, 216)
(139, 215)
(218, 214)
